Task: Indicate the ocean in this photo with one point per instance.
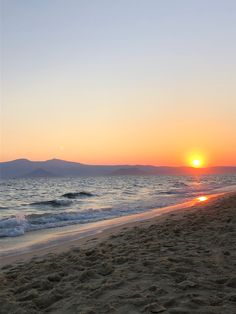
(27, 205)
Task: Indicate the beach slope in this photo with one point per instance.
(184, 262)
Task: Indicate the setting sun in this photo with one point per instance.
(196, 159)
(196, 163)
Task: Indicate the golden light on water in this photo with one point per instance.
(202, 198)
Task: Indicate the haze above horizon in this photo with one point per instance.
(127, 82)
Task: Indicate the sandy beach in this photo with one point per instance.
(180, 262)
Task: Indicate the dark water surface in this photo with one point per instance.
(37, 204)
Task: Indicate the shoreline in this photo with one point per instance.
(36, 242)
(67, 238)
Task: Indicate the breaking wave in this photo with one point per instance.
(53, 203)
(14, 226)
(73, 195)
(63, 202)
(3, 207)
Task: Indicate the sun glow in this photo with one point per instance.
(196, 160)
(196, 163)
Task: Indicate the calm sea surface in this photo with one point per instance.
(36, 204)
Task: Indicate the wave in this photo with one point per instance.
(53, 203)
(173, 192)
(128, 192)
(15, 232)
(14, 226)
(180, 184)
(62, 202)
(17, 226)
(3, 207)
(73, 195)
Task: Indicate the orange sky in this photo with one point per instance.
(154, 84)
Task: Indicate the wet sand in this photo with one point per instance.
(181, 262)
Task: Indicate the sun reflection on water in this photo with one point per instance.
(202, 198)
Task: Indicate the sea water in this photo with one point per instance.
(28, 205)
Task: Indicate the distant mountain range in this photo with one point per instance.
(24, 168)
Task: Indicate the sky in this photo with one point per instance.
(119, 82)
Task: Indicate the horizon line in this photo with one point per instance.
(135, 164)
